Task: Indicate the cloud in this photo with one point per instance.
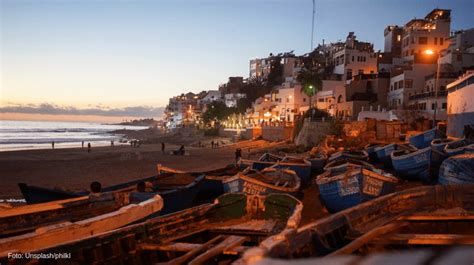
(99, 110)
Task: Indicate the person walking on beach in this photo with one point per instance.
(82, 144)
(52, 144)
(212, 144)
(238, 155)
(163, 147)
(89, 147)
(112, 143)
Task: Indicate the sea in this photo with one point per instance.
(23, 135)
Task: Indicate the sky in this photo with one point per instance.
(110, 56)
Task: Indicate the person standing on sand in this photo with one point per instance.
(89, 147)
(238, 155)
(52, 144)
(162, 147)
(82, 144)
(212, 144)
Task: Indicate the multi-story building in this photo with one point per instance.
(433, 96)
(365, 91)
(460, 52)
(233, 85)
(259, 68)
(181, 110)
(353, 57)
(430, 33)
(460, 107)
(231, 99)
(393, 40)
(409, 80)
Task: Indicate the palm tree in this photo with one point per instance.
(311, 83)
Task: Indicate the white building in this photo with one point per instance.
(211, 96)
(354, 57)
(460, 105)
(231, 99)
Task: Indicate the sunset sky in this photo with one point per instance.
(95, 55)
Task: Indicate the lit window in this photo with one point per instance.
(399, 38)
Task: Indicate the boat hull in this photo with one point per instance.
(317, 164)
(414, 165)
(424, 139)
(457, 169)
(383, 154)
(359, 186)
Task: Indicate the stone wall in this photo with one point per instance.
(312, 133)
(251, 133)
(277, 133)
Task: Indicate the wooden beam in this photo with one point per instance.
(426, 239)
(369, 236)
(436, 217)
(182, 247)
(228, 243)
(184, 259)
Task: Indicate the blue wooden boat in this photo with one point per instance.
(348, 185)
(413, 164)
(176, 195)
(437, 148)
(383, 153)
(423, 140)
(458, 169)
(301, 166)
(351, 154)
(266, 181)
(459, 147)
(348, 161)
(370, 149)
(318, 161)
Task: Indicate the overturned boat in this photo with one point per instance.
(458, 169)
(349, 184)
(178, 190)
(268, 180)
(423, 140)
(413, 164)
(67, 231)
(213, 232)
(422, 217)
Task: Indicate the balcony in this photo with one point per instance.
(431, 94)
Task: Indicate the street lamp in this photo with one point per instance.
(431, 52)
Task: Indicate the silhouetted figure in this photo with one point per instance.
(238, 155)
(82, 144)
(52, 144)
(96, 187)
(89, 147)
(212, 144)
(181, 150)
(162, 147)
(112, 143)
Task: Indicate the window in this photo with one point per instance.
(400, 84)
(423, 40)
(304, 99)
(435, 40)
(444, 105)
(349, 74)
(339, 99)
(395, 85)
(287, 100)
(432, 106)
(441, 40)
(399, 38)
(361, 71)
(408, 83)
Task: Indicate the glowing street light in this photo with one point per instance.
(429, 52)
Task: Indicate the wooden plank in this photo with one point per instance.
(184, 259)
(182, 247)
(426, 239)
(364, 239)
(228, 243)
(52, 235)
(35, 208)
(437, 217)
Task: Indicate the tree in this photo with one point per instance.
(311, 82)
